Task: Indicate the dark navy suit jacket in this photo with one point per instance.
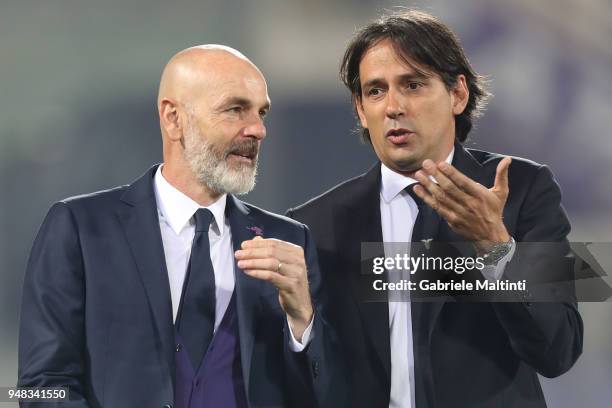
(96, 313)
(466, 355)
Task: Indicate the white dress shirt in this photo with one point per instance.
(398, 213)
(175, 211)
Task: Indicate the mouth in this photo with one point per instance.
(248, 159)
(399, 136)
(244, 154)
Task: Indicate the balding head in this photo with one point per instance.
(191, 66)
(211, 104)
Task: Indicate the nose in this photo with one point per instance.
(395, 108)
(255, 128)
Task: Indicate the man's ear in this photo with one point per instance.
(360, 113)
(169, 118)
(460, 95)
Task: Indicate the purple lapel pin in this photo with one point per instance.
(256, 230)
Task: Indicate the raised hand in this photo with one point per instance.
(470, 209)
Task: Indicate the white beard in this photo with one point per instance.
(211, 166)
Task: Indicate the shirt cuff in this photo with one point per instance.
(494, 272)
(297, 346)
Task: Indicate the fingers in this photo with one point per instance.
(470, 209)
(270, 264)
(447, 185)
(453, 194)
(501, 176)
(445, 212)
(259, 242)
(283, 265)
(268, 255)
(259, 248)
(462, 182)
(263, 252)
(278, 280)
(445, 193)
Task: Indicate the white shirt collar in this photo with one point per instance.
(178, 209)
(393, 183)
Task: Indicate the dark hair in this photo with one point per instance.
(419, 38)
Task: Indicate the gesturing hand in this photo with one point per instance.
(282, 264)
(470, 209)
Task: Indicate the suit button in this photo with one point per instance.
(167, 406)
(178, 348)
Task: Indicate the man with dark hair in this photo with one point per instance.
(420, 39)
(416, 97)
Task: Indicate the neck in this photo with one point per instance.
(183, 179)
(437, 159)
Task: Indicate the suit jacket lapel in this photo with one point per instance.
(356, 223)
(141, 226)
(467, 164)
(248, 289)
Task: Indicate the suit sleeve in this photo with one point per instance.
(320, 366)
(546, 335)
(51, 334)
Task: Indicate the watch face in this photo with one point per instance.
(497, 252)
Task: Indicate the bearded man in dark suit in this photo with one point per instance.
(170, 291)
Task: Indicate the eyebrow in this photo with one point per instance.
(403, 78)
(244, 102)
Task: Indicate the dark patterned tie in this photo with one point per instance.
(196, 316)
(417, 229)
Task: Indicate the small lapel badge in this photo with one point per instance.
(427, 243)
(256, 230)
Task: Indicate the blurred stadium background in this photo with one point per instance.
(78, 80)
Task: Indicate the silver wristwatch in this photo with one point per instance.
(497, 252)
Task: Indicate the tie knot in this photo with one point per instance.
(203, 217)
(410, 190)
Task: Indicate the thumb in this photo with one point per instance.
(501, 176)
